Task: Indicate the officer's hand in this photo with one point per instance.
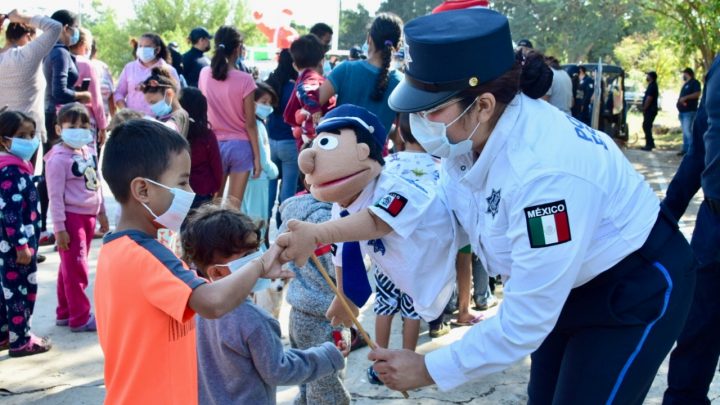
(299, 242)
(400, 370)
(337, 315)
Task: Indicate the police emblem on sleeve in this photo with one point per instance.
(393, 203)
(493, 202)
(548, 224)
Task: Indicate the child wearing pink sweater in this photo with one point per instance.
(76, 202)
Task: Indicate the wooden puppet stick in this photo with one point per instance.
(349, 311)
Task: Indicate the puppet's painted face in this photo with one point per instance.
(337, 167)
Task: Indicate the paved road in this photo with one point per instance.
(72, 372)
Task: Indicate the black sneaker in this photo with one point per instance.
(442, 330)
(373, 377)
(41, 258)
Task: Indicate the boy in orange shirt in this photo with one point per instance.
(145, 297)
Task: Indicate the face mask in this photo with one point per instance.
(365, 48)
(75, 38)
(263, 110)
(173, 218)
(76, 138)
(23, 148)
(161, 108)
(145, 53)
(433, 136)
(235, 265)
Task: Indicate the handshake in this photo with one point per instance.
(295, 245)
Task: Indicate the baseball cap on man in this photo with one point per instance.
(449, 52)
(526, 43)
(199, 33)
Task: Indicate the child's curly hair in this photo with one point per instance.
(213, 231)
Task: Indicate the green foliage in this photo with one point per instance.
(574, 30)
(354, 27)
(692, 25)
(640, 53)
(408, 9)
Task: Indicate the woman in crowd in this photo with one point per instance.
(350, 80)
(283, 150)
(231, 112)
(88, 74)
(151, 52)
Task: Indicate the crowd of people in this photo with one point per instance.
(446, 183)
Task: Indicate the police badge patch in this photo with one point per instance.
(493, 202)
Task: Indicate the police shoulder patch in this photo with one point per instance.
(392, 203)
(548, 224)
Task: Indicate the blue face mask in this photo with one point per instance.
(235, 265)
(76, 138)
(161, 108)
(23, 148)
(365, 48)
(75, 38)
(263, 110)
(145, 53)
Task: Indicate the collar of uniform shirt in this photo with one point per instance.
(477, 175)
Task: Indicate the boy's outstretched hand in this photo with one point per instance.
(272, 266)
(298, 243)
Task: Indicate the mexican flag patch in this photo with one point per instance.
(548, 224)
(392, 203)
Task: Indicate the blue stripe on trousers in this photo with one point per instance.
(648, 329)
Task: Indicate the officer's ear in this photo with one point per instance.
(486, 106)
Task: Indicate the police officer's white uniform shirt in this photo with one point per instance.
(419, 255)
(549, 204)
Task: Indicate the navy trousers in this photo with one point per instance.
(615, 331)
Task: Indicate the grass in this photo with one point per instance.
(666, 130)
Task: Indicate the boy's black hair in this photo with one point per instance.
(264, 88)
(10, 122)
(404, 128)
(72, 113)
(216, 231)
(139, 148)
(307, 51)
(321, 29)
(366, 138)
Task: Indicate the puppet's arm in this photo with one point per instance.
(302, 238)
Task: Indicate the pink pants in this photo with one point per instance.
(73, 303)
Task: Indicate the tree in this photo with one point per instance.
(408, 9)
(691, 24)
(353, 27)
(640, 53)
(574, 30)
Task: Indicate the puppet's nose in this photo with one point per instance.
(306, 161)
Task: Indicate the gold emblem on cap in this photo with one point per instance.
(473, 81)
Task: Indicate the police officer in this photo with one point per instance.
(598, 279)
(693, 362)
(586, 88)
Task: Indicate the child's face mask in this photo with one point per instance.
(237, 264)
(174, 216)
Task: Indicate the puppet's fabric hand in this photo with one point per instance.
(272, 266)
(299, 242)
(337, 314)
(400, 370)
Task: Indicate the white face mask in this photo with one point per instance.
(237, 264)
(76, 138)
(433, 136)
(173, 218)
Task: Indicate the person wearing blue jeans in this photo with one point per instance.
(284, 154)
(687, 106)
(482, 294)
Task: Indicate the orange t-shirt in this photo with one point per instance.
(145, 327)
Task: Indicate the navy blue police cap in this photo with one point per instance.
(446, 53)
(355, 117)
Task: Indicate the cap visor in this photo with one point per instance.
(408, 99)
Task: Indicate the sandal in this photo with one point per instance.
(35, 345)
(472, 322)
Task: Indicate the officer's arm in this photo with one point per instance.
(711, 175)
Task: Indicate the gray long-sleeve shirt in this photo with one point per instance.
(241, 359)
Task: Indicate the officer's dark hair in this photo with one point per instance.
(529, 75)
(321, 29)
(652, 75)
(212, 231)
(15, 31)
(65, 17)
(158, 42)
(690, 72)
(227, 40)
(404, 128)
(139, 148)
(385, 33)
(307, 51)
(582, 69)
(366, 138)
